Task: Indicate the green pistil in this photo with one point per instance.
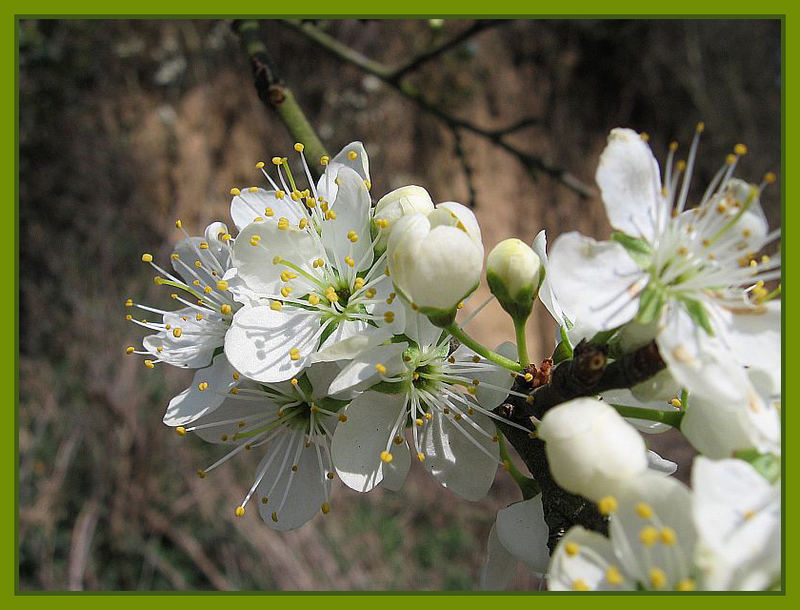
(162, 281)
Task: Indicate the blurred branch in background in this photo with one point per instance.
(394, 77)
(274, 93)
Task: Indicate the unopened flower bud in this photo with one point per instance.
(591, 449)
(514, 273)
(400, 202)
(434, 266)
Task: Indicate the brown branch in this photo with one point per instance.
(587, 374)
(531, 162)
(462, 157)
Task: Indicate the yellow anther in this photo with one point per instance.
(749, 514)
(254, 240)
(380, 368)
(202, 386)
(330, 476)
(294, 381)
(287, 275)
(275, 516)
(398, 440)
(358, 284)
(294, 468)
(607, 505)
(286, 291)
(129, 350)
(294, 354)
(234, 391)
(280, 194)
(686, 584)
(201, 474)
(258, 219)
(676, 402)
(313, 299)
(235, 192)
(277, 160)
(276, 259)
(680, 165)
(252, 189)
(730, 159)
(428, 416)
(203, 245)
(239, 512)
(207, 290)
(352, 155)
(746, 233)
(770, 177)
(721, 208)
(740, 149)
(275, 305)
(753, 263)
(180, 431)
(330, 215)
(579, 585)
(147, 258)
(326, 508)
(613, 576)
(476, 359)
(673, 146)
(644, 136)
(644, 510)
(370, 293)
(572, 548)
(159, 349)
(176, 332)
(460, 305)
(299, 147)
(226, 237)
(222, 285)
(342, 417)
(236, 376)
(149, 364)
(765, 259)
(658, 579)
(386, 457)
(324, 160)
(223, 438)
(388, 317)
(129, 303)
(668, 536)
(701, 127)
(419, 421)
(225, 309)
(528, 377)
(260, 165)
(283, 224)
(648, 536)
(302, 224)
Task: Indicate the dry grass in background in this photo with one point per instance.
(127, 125)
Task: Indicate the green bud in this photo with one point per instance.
(514, 273)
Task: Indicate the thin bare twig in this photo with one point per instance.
(531, 162)
(462, 157)
(416, 62)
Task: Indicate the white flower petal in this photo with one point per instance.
(360, 373)
(454, 459)
(597, 283)
(464, 219)
(260, 341)
(699, 362)
(358, 442)
(195, 343)
(254, 263)
(193, 403)
(352, 207)
(586, 565)
(222, 424)
(304, 490)
(546, 295)
(492, 375)
(629, 180)
(350, 348)
(327, 187)
(396, 471)
(523, 531)
(658, 464)
(499, 566)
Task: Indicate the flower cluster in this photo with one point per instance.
(693, 281)
(323, 333)
(308, 334)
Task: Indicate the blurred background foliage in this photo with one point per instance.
(125, 126)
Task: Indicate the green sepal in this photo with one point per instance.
(651, 301)
(697, 312)
(637, 248)
(518, 307)
(390, 387)
(766, 464)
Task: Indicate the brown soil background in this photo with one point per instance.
(127, 125)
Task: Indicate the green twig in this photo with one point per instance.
(671, 418)
(275, 94)
(457, 332)
(522, 342)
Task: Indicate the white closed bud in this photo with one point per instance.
(434, 265)
(514, 273)
(591, 449)
(398, 203)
